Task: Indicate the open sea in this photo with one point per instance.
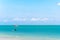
(30, 32)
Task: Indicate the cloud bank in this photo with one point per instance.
(17, 19)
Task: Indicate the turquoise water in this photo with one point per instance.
(28, 30)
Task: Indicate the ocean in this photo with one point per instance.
(30, 32)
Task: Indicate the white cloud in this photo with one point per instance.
(16, 19)
(35, 19)
(39, 19)
(58, 4)
(44, 19)
(19, 19)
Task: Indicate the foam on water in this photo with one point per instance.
(11, 37)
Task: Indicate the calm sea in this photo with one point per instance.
(52, 31)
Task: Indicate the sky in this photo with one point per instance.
(30, 12)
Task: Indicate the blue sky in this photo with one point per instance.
(45, 12)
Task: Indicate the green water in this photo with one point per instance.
(52, 30)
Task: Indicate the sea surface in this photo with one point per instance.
(31, 32)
